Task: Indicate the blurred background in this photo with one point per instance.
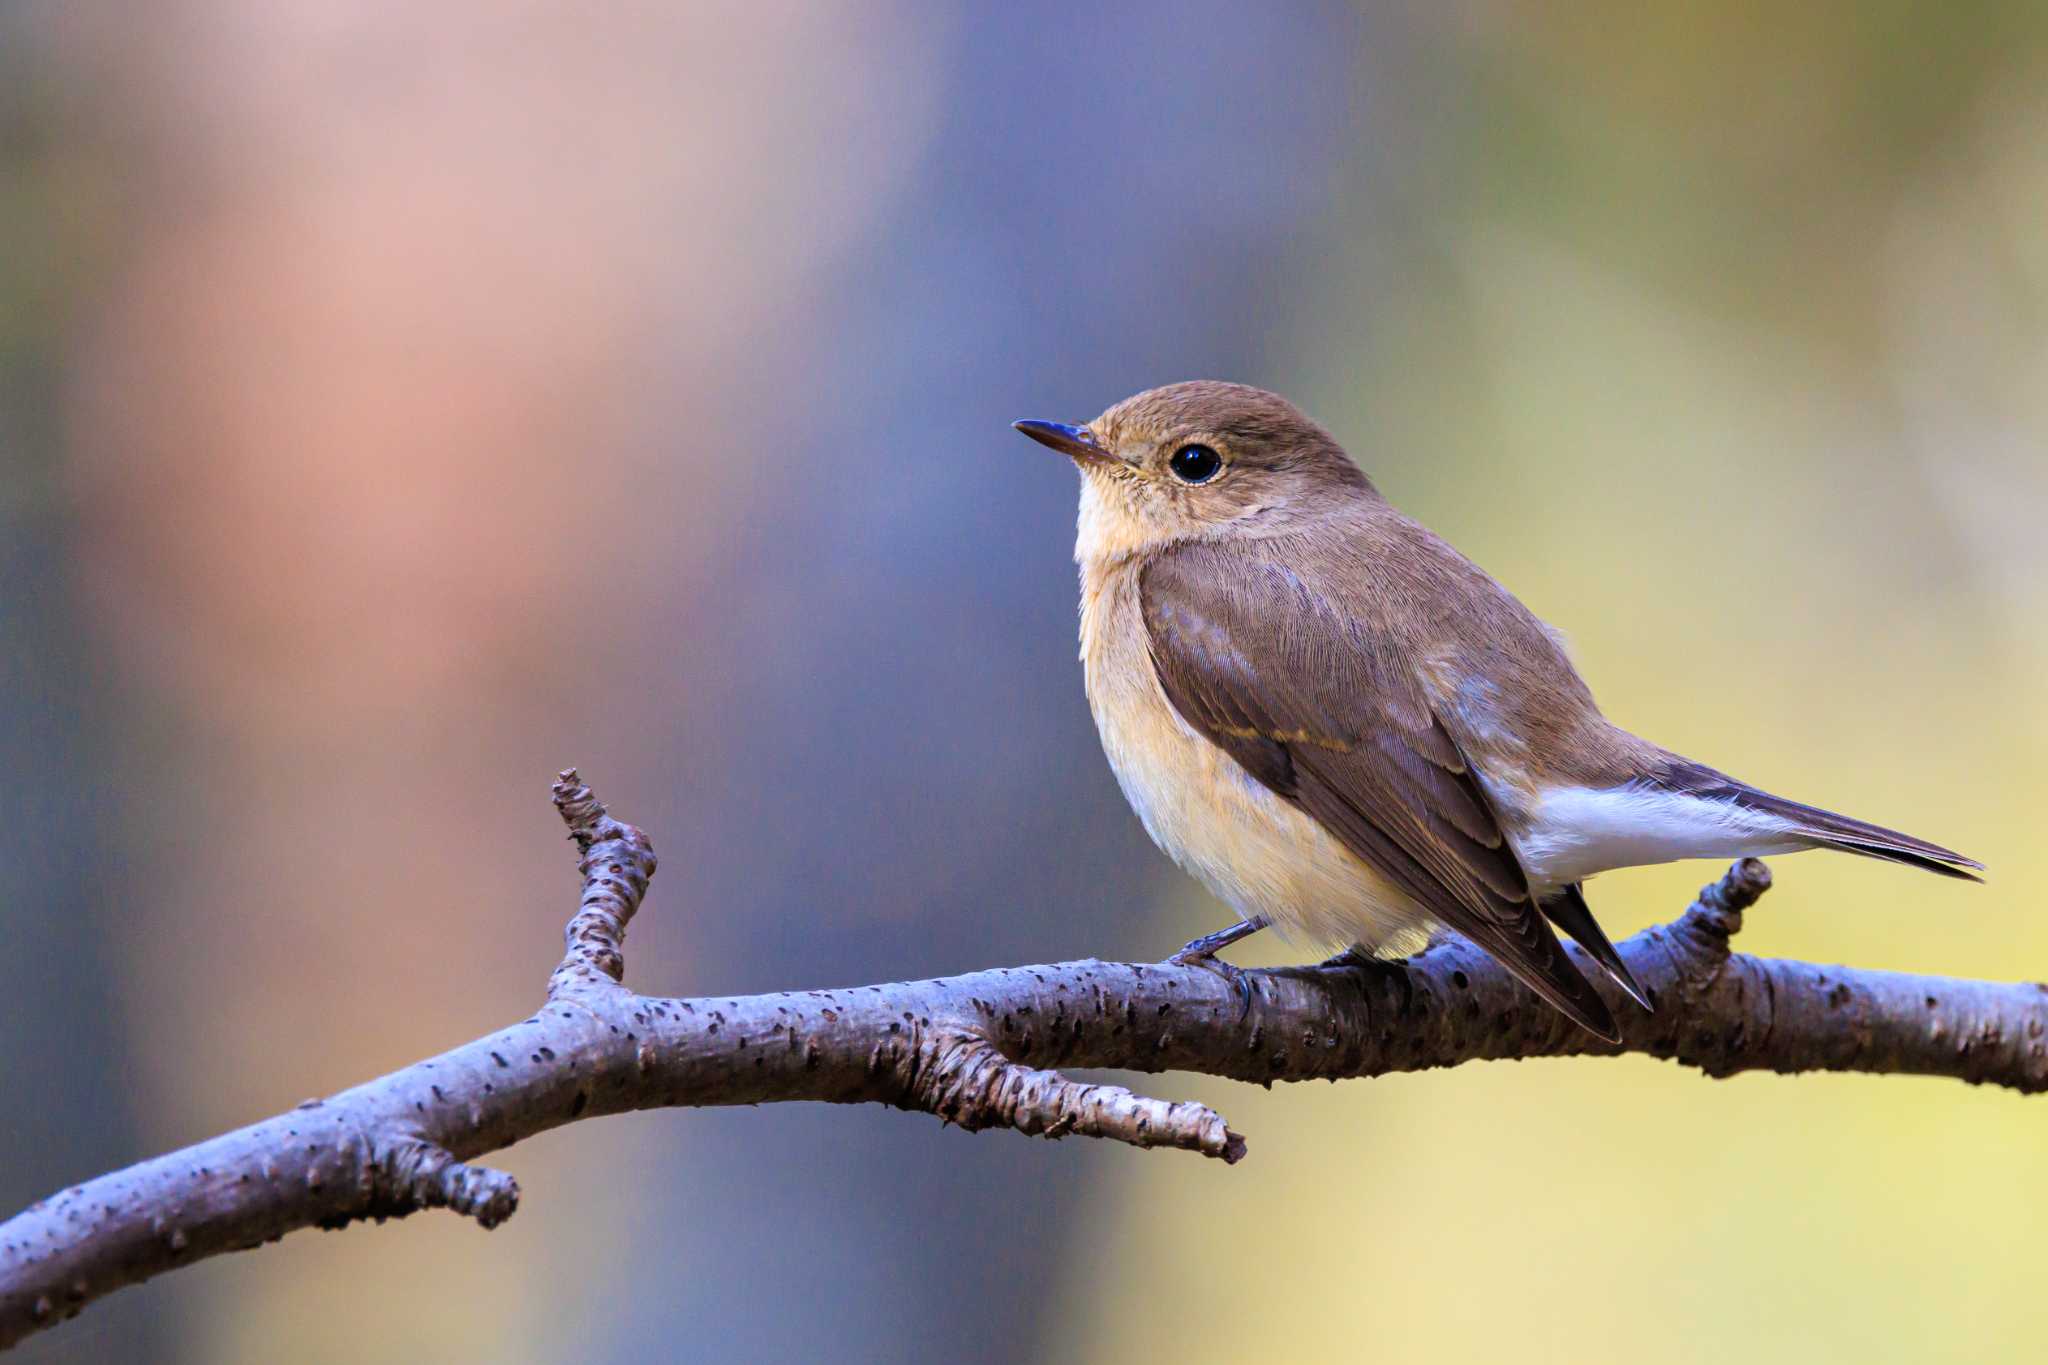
(400, 403)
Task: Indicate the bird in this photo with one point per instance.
(1349, 731)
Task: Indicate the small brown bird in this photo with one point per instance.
(1345, 728)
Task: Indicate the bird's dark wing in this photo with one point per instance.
(1322, 709)
(1568, 911)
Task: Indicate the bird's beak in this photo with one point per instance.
(1077, 443)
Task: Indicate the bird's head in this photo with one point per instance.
(1195, 460)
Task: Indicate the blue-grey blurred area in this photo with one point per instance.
(399, 403)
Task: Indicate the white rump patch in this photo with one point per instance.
(1577, 832)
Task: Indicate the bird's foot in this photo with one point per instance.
(1373, 969)
(1354, 956)
(1237, 977)
(1202, 952)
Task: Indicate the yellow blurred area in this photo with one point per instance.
(398, 404)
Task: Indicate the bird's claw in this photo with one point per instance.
(1198, 954)
(1354, 956)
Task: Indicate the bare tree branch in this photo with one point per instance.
(975, 1050)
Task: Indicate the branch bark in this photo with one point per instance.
(980, 1051)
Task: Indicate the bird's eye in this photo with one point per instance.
(1195, 464)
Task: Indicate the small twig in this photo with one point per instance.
(975, 1050)
(618, 862)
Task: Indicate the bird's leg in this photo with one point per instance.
(1208, 945)
(1202, 952)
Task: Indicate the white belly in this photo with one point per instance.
(1253, 850)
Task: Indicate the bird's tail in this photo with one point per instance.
(1824, 827)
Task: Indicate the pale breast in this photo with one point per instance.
(1255, 851)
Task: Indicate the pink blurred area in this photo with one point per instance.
(404, 422)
